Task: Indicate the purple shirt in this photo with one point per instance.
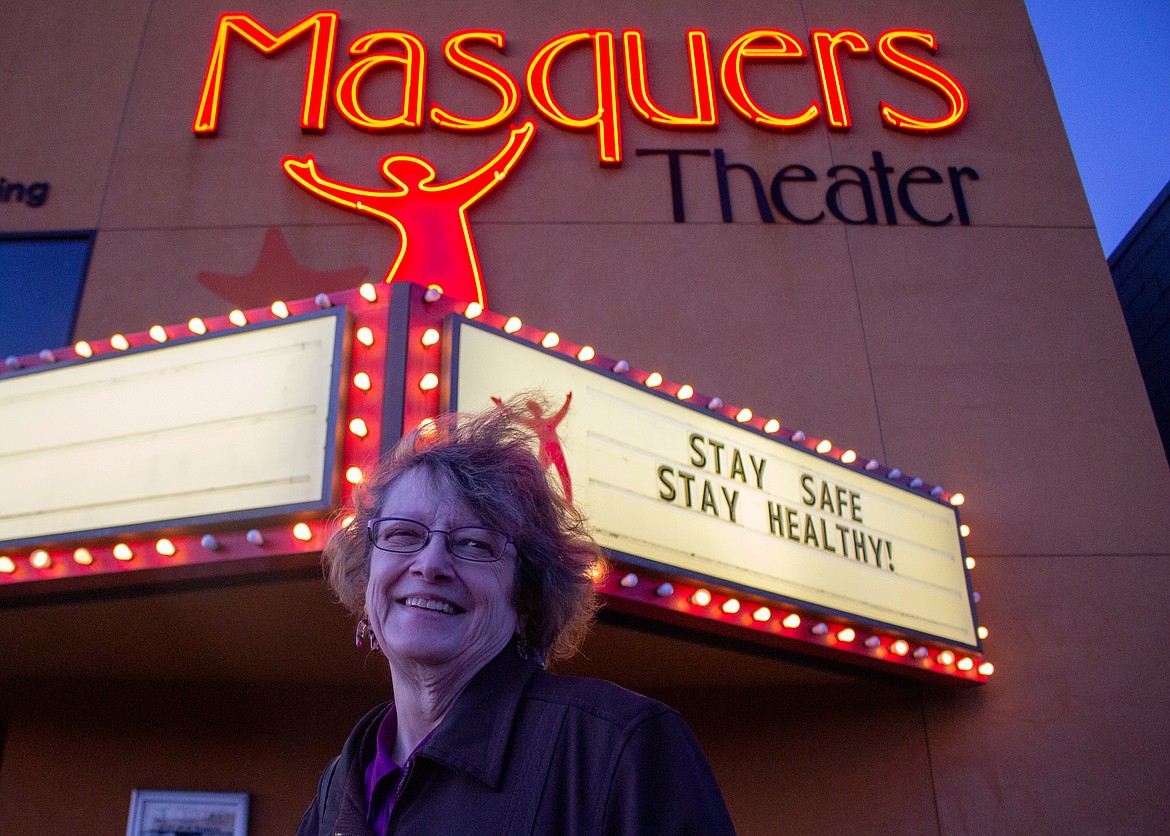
(383, 778)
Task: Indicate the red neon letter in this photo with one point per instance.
(324, 29)
(782, 45)
(495, 76)
(702, 82)
(606, 117)
(414, 69)
(824, 47)
(924, 72)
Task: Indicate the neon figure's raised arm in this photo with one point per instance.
(494, 170)
(304, 171)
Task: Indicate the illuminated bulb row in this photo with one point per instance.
(900, 647)
(40, 558)
(198, 327)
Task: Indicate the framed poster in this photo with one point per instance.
(170, 813)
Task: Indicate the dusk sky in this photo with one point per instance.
(1110, 67)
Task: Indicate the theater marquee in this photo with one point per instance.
(230, 444)
(676, 488)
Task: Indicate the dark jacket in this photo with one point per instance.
(525, 751)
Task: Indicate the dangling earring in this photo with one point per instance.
(364, 630)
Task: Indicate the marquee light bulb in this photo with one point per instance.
(353, 475)
(791, 621)
(158, 333)
(551, 339)
(362, 381)
(513, 324)
(945, 658)
(628, 581)
(83, 556)
(848, 457)
(773, 426)
(900, 648)
(701, 598)
(346, 522)
(123, 552)
(279, 309)
(365, 336)
(473, 310)
(987, 669)
(368, 292)
(965, 664)
(210, 542)
(730, 606)
(83, 349)
(685, 392)
(970, 563)
(982, 632)
(165, 547)
(195, 326)
(119, 342)
(964, 529)
(824, 446)
(957, 499)
(7, 565)
(429, 381)
(744, 415)
(427, 427)
(586, 353)
(302, 532)
(430, 336)
(40, 559)
(653, 380)
(819, 629)
(847, 635)
(434, 294)
(762, 614)
(238, 318)
(358, 427)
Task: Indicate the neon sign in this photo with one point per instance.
(903, 52)
(436, 249)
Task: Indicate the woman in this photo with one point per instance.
(468, 569)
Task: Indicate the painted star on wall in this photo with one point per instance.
(278, 275)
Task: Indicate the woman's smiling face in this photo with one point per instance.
(431, 608)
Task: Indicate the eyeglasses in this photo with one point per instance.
(471, 542)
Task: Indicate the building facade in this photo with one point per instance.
(882, 239)
(1141, 273)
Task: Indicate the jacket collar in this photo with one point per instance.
(473, 737)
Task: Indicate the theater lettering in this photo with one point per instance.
(898, 53)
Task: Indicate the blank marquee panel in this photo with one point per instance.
(231, 425)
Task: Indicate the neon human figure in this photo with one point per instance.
(545, 427)
(437, 248)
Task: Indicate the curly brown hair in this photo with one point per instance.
(490, 460)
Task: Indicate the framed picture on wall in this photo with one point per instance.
(173, 813)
